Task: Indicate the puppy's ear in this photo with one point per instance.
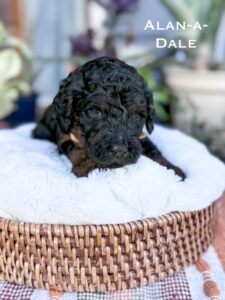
(46, 127)
(58, 118)
(63, 105)
(150, 110)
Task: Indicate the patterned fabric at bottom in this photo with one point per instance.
(9, 291)
(188, 285)
(175, 288)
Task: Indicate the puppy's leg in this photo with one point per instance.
(72, 145)
(151, 151)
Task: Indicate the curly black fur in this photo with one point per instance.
(104, 104)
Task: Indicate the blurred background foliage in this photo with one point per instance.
(208, 12)
(15, 58)
(161, 95)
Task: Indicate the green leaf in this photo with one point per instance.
(7, 100)
(162, 114)
(180, 10)
(14, 42)
(10, 64)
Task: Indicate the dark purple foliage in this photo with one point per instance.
(83, 46)
(117, 6)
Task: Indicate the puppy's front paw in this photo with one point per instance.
(179, 172)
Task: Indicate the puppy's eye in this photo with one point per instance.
(138, 116)
(94, 112)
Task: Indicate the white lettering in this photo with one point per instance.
(181, 25)
(180, 45)
(197, 26)
(170, 26)
(158, 26)
(172, 44)
(192, 43)
(161, 43)
(149, 25)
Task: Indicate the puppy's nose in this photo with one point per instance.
(119, 149)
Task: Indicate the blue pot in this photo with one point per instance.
(25, 110)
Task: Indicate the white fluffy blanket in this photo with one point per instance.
(36, 183)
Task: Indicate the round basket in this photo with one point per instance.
(97, 258)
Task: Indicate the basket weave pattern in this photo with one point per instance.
(103, 257)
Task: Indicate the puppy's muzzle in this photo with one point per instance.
(118, 152)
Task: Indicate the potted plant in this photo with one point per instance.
(198, 82)
(15, 76)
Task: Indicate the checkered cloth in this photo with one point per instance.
(9, 291)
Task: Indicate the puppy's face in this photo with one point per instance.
(111, 122)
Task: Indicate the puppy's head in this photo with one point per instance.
(105, 104)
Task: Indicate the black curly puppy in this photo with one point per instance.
(97, 117)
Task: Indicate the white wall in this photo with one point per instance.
(50, 23)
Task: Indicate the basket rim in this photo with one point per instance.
(165, 217)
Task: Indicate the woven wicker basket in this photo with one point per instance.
(103, 257)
